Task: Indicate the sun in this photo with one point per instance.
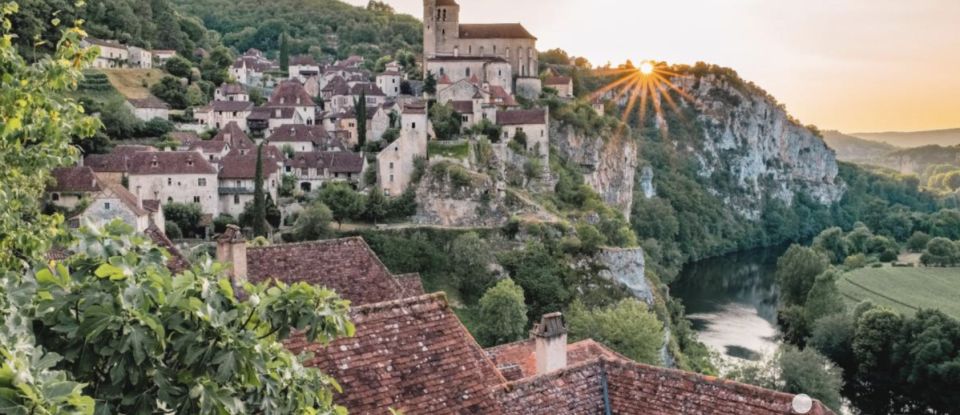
(647, 68)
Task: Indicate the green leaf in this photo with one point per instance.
(108, 271)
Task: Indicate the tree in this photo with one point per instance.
(360, 109)
(628, 327)
(288, 185)
(376, 207)
(832, 243)
(470, 259)
(216, 67)
(918, 242)
(940, 252)
(140, 337)
(797, 270)
(503, 314)
(446, 122)
(221, 222)
(284, 52)
(186, 216)
(171, 91)
(343, 201)
(824, 298)
(37, 123)
(313, 223)
(430, 84)
(832, 336)
(541, 277)
(811, 373)
(259, 201)
(179, 67)
(873, 342)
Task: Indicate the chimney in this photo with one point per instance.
(232, 249)
(550, 335)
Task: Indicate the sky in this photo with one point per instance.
(850, 65)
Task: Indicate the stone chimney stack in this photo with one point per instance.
(551, 343)
(232, 249)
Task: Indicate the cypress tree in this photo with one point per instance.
(259, 200)
(360, 108)
(284, 53)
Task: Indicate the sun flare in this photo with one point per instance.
(647, 68)
(640, 88)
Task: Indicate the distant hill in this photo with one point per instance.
(950, 137)
(855, 149)
(322, 28)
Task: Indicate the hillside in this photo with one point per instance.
(134, 83)
(855, 149)
(949, 137)
(322, 28)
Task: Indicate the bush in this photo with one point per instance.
(503, 314)
(918, 242)
(171, 91)
(173, 230)
(187, 217)
(157, 127)
(221, 222)
(855, 262)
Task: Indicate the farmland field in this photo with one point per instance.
(904, 289)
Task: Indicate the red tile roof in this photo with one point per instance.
(116, 161)
(494, 31)
(303, 60)
(150, 102)
(208, 146)
(227, 106)
(522, 117)
(235, 137)
(232, 89)
(368, 89)
(463, 107)
(558, 80)
(170, 162)
(523, 355)
(236, 166)
(347, 266)
(413, 355)
(411, 284)
(74, 180)
(289, 92)
(334, 161)
(185, 137)
(299, 133)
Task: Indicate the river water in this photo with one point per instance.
(732, 301)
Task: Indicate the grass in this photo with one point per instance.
(456, 151)
(130, 82)
(905, 289)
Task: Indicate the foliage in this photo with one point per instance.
(343, 201)
(446, 122)
(179, 67)
(457, 151)
(832, 243)
(284, 52)
(797, 271)
(220, 222)
(824, 298)
(430, 84)
(795, 371)
(171, 91)
(628, 327)
(127, 328)
(540, 276)
(215, 68)
(941, 252)
(325, 29)
(259, 200)
(313, 223)
(918, 241)
(375, 208)
(288, 185)
(470, 260)
(360, 110)
(832, 336)
(503, 314)
(187, 216)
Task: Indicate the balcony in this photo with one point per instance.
(236, 191)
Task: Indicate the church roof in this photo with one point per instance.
(495, 31)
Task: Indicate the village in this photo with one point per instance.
(340, 124)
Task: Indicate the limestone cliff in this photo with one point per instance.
(751, 142)
(609, 163)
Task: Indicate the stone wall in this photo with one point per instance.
(609, 163)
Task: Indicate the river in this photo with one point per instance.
(732, 301)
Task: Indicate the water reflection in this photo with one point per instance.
(732, 301)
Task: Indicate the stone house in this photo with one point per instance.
(113, 167)
(303, 67)
(161, 56)
(562, 84)
(252, 68)
(71, 185)
(140, 58)
(535, 126)
(237, 180)
(395, 163)
(378, 121)
(389, 82)
(314, 169)
(304, 138)
(476, 69)
(218, 114)
(148, 108)
(114, 202)
(445, 36)
(291, 94)
(175, 176)
(231, 92)
(236, 139)
(212, 150)
(112, 54)
(264, 121)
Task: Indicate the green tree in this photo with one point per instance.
(171, 91)
(313, 223)
(284, 52)
(288, 185)
(470, 259)
(503, 314)
(940, 252)
(376, 206)
(344, 202)
(446, 122)
(873, 342)
(824, 297)
(216, 67)
(179, 67)
(918, 242)
(811, 373)
(360, 109)
(430, 84)
(259, 200)
(129, 330)
(540, 275)
(797, 270)
(832, 243)
(832, 336)
(186, 216)
(628, 327)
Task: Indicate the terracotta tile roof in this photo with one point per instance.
(368, 89)
(235, 137)
(303, 60)
(150, 102)
(299, 133)
(411, 284)
(522, 355)
(128, 199)
(170, 162)
(337, 86)
(151, 205)
(255, 62)
(289, 92)
(557, 80)
(334, 161)
(208, 146)
(74, 179)
(414, 108)
(347, 266)
(463, 107)
(412, 355)
(117, 161)
(185, 137)
(236, 166)
(495, 31)
(522, 117)
(227, 106)
(232, 89)
(177, 262)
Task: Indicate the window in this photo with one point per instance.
(237, 183)
(541, 133)
(201, 182)
(468, 72)
(196, 199)
(470, 50)
(55, 197)
(236, 199)
(391, 178)
(169, 200)
(106, 205)
(391, 165)
(169, 181)
(413, 126)
(494, 49)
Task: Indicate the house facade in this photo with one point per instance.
(395, 163)
(112, 54)
(148, 108)
(535, 126)
(218, 114)
(237, 181)
(175, 177)
(314, 169)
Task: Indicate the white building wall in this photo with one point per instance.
(104, 210)
(180, 188)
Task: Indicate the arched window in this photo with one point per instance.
(468, 72)
(441, 71)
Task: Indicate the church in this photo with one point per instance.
(493, 53)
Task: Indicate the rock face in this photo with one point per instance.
(609, 163)
(626, 266)
(646, 182)
(754, 143)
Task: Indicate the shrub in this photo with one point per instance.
(173, 230)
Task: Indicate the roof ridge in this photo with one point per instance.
(308, 243)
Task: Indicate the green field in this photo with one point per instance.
(456, 151)
(905, 289)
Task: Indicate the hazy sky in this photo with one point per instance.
(853, 65)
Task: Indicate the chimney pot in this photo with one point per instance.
(550, 336)
(232, 249)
